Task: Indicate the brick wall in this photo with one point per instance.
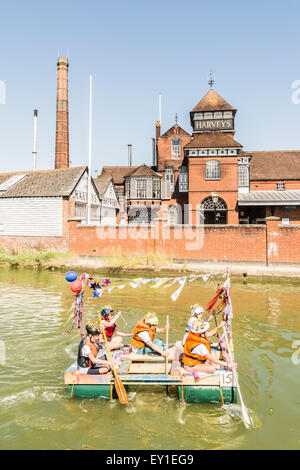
(272, 185)
(268, 244)
(222, 243)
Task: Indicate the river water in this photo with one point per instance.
(37, 413)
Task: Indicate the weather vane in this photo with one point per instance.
(176, 118)
(211, 80)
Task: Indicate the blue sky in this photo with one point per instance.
(135, 50)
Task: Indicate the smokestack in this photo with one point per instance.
(153, 152)
(62, 115)
(130, 154)
(35, 115)
(157, 126)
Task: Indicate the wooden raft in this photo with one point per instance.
(150, 370)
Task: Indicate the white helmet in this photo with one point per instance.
(197, 309)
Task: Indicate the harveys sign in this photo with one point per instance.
(213, 125)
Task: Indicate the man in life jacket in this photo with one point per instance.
(196, 315)
(143, 341)
(197, 350)
(109, 323)
(87, 360)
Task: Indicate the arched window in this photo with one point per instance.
(243, 175)
(214, 212)
(174, 214)
(212, 170)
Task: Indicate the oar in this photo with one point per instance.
(245, 415)
(120, 389)
(167, 342)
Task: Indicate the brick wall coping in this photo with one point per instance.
(289, 225)
(178, 226)
(218, 226)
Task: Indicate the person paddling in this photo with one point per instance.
(197, 350)
(109, 323)
(143, 341)
(87, 360)
(196, 315)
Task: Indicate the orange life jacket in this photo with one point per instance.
(191, 342)
(136, 341)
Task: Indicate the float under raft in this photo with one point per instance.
(150, 371)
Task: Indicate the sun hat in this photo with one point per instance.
(151, 318)
(200, 327)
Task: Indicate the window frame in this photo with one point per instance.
(175, 149)
(212, 174)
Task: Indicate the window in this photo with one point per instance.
(213, 170)
(141, 189)
(214, 212)
(127, 187)
(183, 179)
(280, 186)
(156, 188)
(176, 149)
(243, 175)
(170, 177)
(80, 209)
(174, 215)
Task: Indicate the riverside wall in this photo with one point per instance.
(268, 244)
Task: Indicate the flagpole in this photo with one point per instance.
(90, 156)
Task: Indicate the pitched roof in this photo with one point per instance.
(101, 183)
(275, 165)
(175, 131)
(42, 183)
(117, 173)
(257, 198)
(212, 101)
(144, 170)
(212, 140)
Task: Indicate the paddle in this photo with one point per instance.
(120, 389)
(167, 342)
(245, 415)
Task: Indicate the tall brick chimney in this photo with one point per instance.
(62, 115)
(157, 129)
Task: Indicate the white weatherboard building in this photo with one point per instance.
(109, 200)
(39, 203)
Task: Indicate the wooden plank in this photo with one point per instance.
(124, 367)
(147, 358)
(148, 368)
(207, 380)
(86, 379)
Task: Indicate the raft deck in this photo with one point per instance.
(149, 371)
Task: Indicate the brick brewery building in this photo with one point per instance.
(250, 201)
(209, 169)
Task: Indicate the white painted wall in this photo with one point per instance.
(40, 217)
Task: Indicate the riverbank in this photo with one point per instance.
(153, 263)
